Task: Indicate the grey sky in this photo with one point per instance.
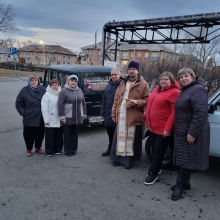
(72, 23)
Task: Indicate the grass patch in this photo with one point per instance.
(13, 73)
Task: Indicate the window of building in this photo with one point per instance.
(155, 54)
(69, 57)
(94, 52)
(84, 59)
(90, 52)
(139, 54)
(146, 54)
(90, 60)
(132, 54)
(125, 54)
(64, 57)
(124, 62)
(64, 63)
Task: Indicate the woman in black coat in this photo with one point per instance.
(28, 105)
(192, 130)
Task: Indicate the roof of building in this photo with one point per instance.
(126, 46)
(81, 68)
(57, 49)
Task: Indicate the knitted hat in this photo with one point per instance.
(133, 64)
(34, 76)
(72, 77)
(54, 81)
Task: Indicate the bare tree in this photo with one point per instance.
(7, 16)
(25, 43)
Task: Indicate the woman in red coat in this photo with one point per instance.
(160, 121)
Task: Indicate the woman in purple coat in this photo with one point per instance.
(192, 130)
(72, 111)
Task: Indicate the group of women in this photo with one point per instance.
(177, 114)
(52, 112)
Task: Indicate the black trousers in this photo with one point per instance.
(53, 140)
(159, 145)
(33, 135)
(110, 132)
(70, 139)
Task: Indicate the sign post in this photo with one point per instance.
(14, 52)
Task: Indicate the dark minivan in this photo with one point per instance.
(92, 81)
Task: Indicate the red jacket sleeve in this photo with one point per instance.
(170, 122)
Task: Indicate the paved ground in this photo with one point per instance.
(12, 79)
(87, 186)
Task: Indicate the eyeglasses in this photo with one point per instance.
(164, 79)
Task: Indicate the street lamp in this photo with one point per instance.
(95, 47)
(43, 50)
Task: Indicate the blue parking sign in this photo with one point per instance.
(13, 50)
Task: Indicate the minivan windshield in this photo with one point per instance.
(95, 83)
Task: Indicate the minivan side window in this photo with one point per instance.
(63, 78)
(47, 79)
(54, 74)
(94, 83)
(217, 105)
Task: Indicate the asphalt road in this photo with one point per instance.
(87, 186)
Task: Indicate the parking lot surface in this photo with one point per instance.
(87, 186)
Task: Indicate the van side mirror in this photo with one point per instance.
(211, 108)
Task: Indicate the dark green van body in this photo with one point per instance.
(91, 79)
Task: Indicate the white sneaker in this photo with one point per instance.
(58, 153)
(49, 155)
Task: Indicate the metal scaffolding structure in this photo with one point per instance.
(168, 30)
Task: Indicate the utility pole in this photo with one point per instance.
(134, 52)
(95, 47)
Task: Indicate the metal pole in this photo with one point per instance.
(102, 57)
(116, 46)
(44, 54)
(95, 46)
(108, 43)
(134, 51)
(15, 68)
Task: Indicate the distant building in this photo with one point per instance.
(126, 52)
(47, 54)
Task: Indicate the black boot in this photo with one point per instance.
(106, 153)
(183, 175)
(186, 186)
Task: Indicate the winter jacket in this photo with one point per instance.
(191, 117)
(28, 105)
(71, 105)
(49, 108)
(160, 109)
(107, 102)
(139, 92)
